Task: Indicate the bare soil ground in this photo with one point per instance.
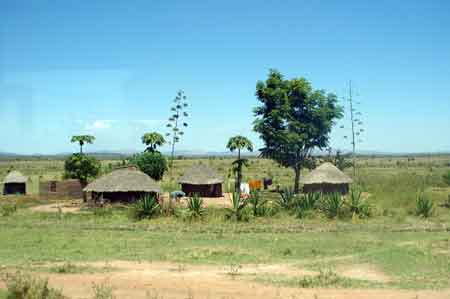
(170, 280)
(72, 206)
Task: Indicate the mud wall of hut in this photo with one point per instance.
(67, 188)
(326, 188)
(202, 190)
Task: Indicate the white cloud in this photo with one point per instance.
(147, 122)
(99, 124)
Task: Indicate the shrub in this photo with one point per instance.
(154, 164)
(306, 203)
(357, 205)
(146, 207)
(22, 286)
(195, 207)
(102, 291)
(446, 178)
(237, 211)
(331, 205)
(258, 205)
(8, 209)
(287, 198)
(424, 206)
(81, 167)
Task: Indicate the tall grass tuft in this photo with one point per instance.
(357, 205)
(331, 205)
(102, 291)
(287, 198)
(424, 206)
(8, 209)
(258, 204)
(145, 208)
(195, 207)
(306, 203)
(237, 211)
(446, 178)
(23, 286)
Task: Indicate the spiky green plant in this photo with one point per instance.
(258, 204)
(357, 205)
(331, 205)
(237, 211)
(424, 206)
(287, 198)
(146, 207)
(195, 207)
(306, 203)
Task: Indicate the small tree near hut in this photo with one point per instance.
(82, 140)
(153, 140)
(177, 122)
(239, 143)
(293, 119)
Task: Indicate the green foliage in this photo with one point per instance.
(82, 140)
(331, 205)
(102, 291)
(258, 205)
(23, 286)
(153, 140)
(105, 211)
(145, 208)
(293, 119)
(81, 167)
(8, 209)
(154, 164)
(424, 206)
(446, 178)
(306, 203)
(357, 205)
(339, 160)
(237, 211)
(195, 207)
(326, 278)
(287, 198)
(239, 143)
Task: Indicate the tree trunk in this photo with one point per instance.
(297, 179)
(239, 174)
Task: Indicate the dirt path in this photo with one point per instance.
(178, 281)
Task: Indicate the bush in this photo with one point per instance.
(357, 205)
(258, 205)
(424, 206)
(287, 198)
(195, 208)
(81, 167)
(154, 164)
(146, 207)
(446, 178)
(237, 211)
(331, 205)
(306, 203)
(8, 209)
(102, 291)
(22, 286)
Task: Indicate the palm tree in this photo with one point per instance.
(82, 139)
(153, 140)
(238, 143)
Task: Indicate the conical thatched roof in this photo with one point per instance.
(15, 177)
(200, 175)
(124, 180)
(326, 173)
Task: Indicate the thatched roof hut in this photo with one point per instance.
(15, 183)
(201, 180)
(125, 185)
(326, 178)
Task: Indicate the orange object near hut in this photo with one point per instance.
(255, 185)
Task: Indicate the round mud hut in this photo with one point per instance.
(124, 185)
(201, 180)
(15, 183)
(326, 178)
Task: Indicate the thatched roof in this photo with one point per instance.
(124, 180)
(200, 175)
(15, 177)
(326, 173)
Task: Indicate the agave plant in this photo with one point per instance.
(306, 203)
(237, 210)
(258, 204)
(287, 198)
(424, 206)
(357, 205)
(146, 207)
(195, 207)
(331, 204)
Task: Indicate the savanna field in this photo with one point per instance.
(395, 251)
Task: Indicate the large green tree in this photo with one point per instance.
(239, 143)
(153, 140)
(82, 140)
(293, 119)
(81, 167)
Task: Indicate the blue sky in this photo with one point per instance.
(111, 68)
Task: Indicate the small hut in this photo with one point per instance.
(201, 180)
(122, 185)
(326, 178)
(15, 183)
